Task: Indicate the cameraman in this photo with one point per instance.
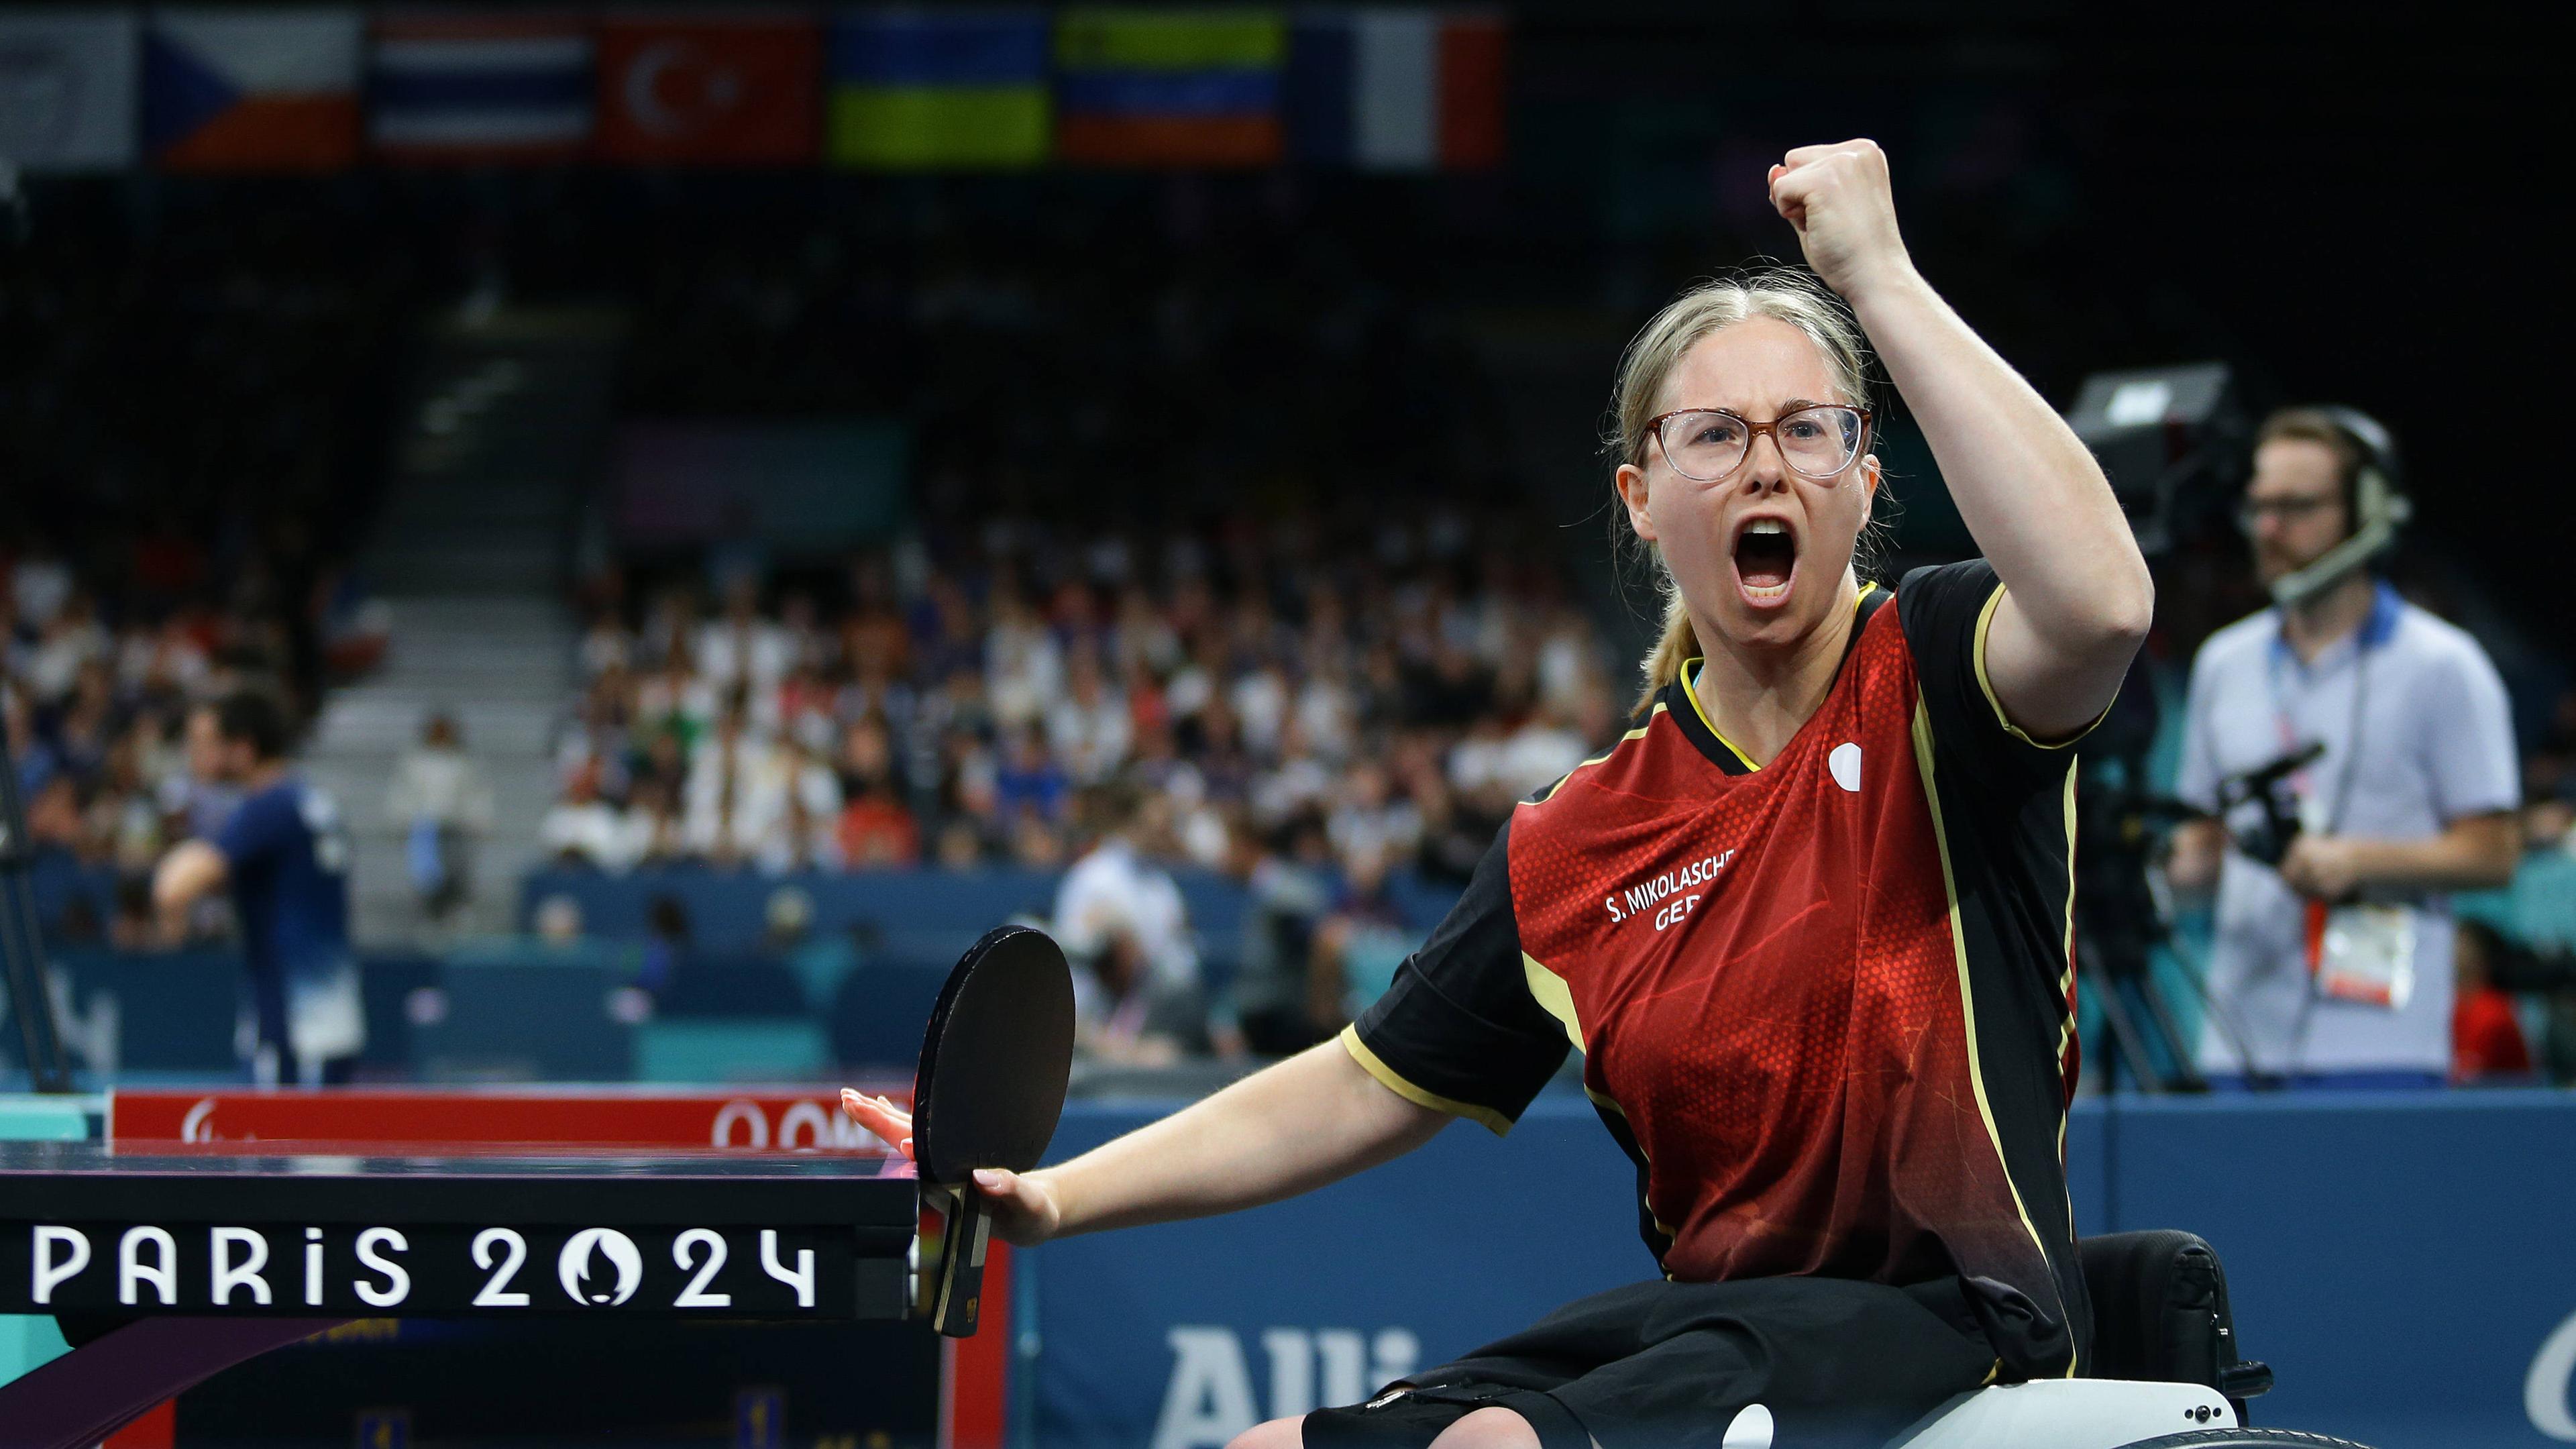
(2332, 965)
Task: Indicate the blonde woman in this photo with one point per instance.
(1808, 921)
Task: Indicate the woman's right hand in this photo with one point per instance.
(1024, 1206)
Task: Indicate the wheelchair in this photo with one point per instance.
(2169, 1375)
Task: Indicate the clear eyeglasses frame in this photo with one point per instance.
(1817, 441)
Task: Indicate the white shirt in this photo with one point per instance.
(1114, 889)
(2435, 745)
(444, 785)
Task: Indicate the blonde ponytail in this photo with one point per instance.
(1678, 646)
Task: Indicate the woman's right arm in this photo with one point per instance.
(1313, 1119)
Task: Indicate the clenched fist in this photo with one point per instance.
(1838, 198)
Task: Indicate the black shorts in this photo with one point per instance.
(1838, 1365)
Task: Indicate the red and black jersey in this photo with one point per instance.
(1827, 1005)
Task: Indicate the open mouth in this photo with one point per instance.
(1766, 559)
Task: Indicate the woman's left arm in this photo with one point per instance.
(2077, 598)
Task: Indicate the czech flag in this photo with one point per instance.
(251, 90)
(737, 88)
(1169, 87)
(473, 87)
(939, 89)
(1397, 90)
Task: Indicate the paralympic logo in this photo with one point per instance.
(2544, 1392)
(572, 1266)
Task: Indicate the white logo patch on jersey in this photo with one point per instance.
(1844, 765)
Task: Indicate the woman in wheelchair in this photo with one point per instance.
(1808, 922)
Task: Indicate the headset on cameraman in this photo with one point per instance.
(2374, 501)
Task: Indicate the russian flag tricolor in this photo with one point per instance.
(251, 89)
(1397, 89)
(450, 86)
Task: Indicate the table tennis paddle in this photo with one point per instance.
(994, 1066)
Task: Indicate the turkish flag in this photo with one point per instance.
(710, 89)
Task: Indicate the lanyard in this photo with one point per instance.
(2288, 730)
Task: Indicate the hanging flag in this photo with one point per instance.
(1169, 87)
(480, 86)
(251, 90)
(1397, 90)
(939, 89)
(67, 83)
(735, 88)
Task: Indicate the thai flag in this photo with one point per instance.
(1397, 89)
(252, 90)
(481, 87)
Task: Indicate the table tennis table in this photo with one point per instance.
(206, 1227)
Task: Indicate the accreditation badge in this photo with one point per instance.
(2365, 954)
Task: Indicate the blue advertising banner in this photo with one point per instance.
(1181, 1336)
(2405, 1262)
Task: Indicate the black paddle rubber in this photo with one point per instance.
(990, 1088)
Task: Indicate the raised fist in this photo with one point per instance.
(1838, 198)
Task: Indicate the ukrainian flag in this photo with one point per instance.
(939, 89)
(1138, 87)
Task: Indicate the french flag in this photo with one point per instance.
(1397, 89)
(466, 87)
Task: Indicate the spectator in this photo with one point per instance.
(1118, 887)
(1358, 946)
(70, 639)
(725, 808)
(797, 809)
(559, 922)
(1024, 667)
(818, 961)
(40, 583)
(666, 943)
(1089, 729)
(582, 828)
(2486, 1034)
(1123, 1013)
(875, 828)
(1367, 819)
(1273, 1009)
(1029, 784)
(742, 649)
(444, 803)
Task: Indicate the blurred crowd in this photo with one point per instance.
(1309, 710)
(101, 668)
(1387, 696)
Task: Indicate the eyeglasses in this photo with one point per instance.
(1816, 441)
(2252, 512)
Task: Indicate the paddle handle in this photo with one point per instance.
(956, 1290)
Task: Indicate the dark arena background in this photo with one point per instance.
(732, 504)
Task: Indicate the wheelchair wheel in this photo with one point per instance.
(2242, 1440)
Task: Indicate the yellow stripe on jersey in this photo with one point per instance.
(1395, 1082)
(1553, 996)
(1985, 683)
(1967, 990)
(1690, 686)
(1635, 734)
